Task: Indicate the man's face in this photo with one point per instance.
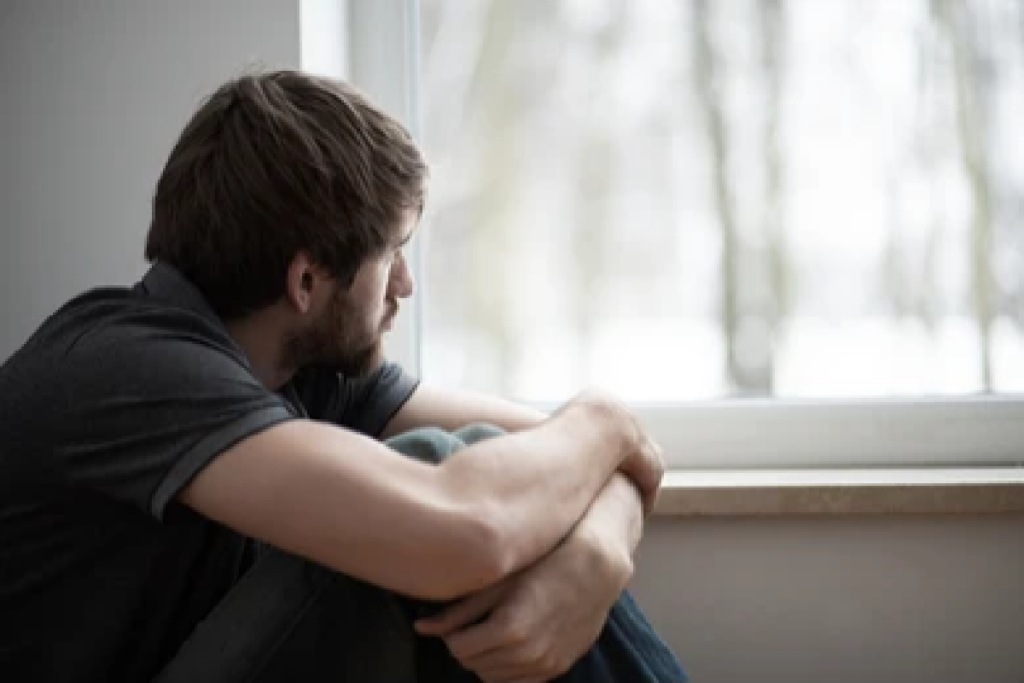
(349, 334)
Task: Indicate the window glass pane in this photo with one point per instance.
(694, 199)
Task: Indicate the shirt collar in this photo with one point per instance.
(165, 282)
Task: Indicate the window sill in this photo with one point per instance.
(872, 491)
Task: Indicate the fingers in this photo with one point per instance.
(645, 466)
(476, 640)
(460, 615)
(651, 487)
(505, 653)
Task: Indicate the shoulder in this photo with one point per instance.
(130, 321)
(116, 337)
(103, 316)
(109, 357)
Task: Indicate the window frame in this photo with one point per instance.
(381, 39)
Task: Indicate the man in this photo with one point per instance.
(194, 485)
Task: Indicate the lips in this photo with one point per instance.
(389, 320)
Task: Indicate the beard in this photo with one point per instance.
(338, 340)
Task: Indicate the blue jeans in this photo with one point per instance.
(289, 619)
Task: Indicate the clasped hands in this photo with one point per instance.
(535, 624)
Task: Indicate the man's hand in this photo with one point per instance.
(644, 462)
(646, 468)
(537, 623)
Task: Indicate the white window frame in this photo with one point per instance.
(380, 55)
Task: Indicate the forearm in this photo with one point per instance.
(536, 484)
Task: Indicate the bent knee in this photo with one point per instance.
(428, 444)
(478, 431)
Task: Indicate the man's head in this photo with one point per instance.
(291, 190)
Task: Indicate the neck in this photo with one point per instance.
(263, 344)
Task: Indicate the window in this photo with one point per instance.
(791, 227)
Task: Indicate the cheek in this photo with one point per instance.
(371, 286)
(377, 298)
(388, 280)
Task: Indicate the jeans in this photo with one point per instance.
(289, 619)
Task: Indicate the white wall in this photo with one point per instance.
(93, 94)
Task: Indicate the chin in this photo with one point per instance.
(374, 364)
(364, 362)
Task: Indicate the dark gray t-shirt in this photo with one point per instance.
(110, 408)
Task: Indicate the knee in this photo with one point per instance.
(478, 431)
(428, 444)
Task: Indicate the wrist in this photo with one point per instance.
(602, 551)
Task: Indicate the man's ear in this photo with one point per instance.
(304, 282)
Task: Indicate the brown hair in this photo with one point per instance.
(272, 164)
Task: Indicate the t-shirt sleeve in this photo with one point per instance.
(365, 404)
(144, 410)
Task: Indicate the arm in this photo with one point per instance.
(339, 498)
(561, 602)
(543, 619)
(617, 515)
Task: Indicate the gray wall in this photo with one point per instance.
(94, 92)
(843, 600)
